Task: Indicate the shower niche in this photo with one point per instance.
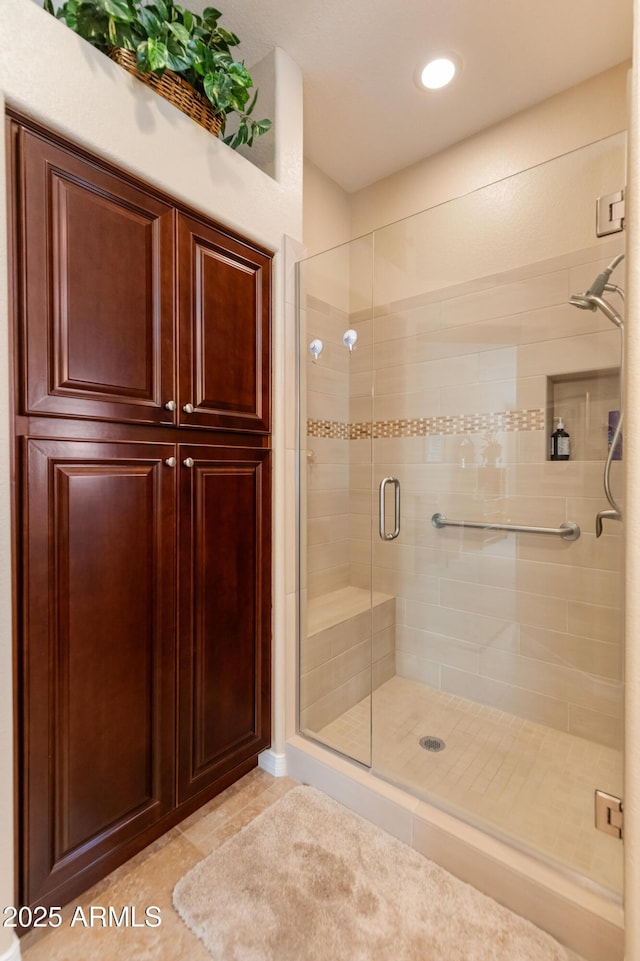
(585, 400)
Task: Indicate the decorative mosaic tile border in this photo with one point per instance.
(335, 429)
(507, 421)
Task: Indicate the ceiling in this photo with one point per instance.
(365, 117)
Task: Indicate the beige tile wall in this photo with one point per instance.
(522, 622)
(347, 638)
(460, 381)
(326, 457)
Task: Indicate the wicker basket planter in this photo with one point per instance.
(174, 89)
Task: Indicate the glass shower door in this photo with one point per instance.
(336, 617)
(505, 702)
(475, 665)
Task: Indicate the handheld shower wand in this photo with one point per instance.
(592, 299)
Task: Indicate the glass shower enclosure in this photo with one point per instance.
(446, 641)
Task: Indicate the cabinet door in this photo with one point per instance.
(95, 279)
(224, 303)
(97, 658)
(224, 612)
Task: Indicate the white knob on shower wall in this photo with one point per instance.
(349, 338)
(316, 347)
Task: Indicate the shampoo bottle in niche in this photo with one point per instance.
(560, 443)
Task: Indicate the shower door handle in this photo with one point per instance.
(396, 502)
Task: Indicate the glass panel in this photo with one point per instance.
(497, 687)
(477, 667)
(335, 498)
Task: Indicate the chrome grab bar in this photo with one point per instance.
(396, 522)
(567, 531)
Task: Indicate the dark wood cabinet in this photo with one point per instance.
(223, 296)
(99, 602)
(97, 326)
(141, 339)
(223, 691)
(117, 280)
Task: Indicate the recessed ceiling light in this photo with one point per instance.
(438, 73)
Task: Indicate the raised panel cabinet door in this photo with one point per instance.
(224, 620)
(97, 659)
(224, 305)
(95, 281)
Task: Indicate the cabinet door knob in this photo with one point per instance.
(170, 462)
(188, 408)
(170, 405)
(188, 462)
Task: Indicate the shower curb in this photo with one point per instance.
(579, 917)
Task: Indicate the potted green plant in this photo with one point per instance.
(161, 41)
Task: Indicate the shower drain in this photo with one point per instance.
(432, 743)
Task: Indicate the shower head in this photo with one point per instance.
(592, 298)
(583, 301)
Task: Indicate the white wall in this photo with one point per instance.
(578, 116)
(588, 112)
(531, 216)
(493, 176)
(326, 214)
(48, 72)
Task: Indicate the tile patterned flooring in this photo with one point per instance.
(522, 781)
(149, 879)
(519, 778)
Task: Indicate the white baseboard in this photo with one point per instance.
(13, 953)
(271, 762)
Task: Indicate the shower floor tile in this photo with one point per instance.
(530, 784)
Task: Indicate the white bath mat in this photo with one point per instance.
(308, 880)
